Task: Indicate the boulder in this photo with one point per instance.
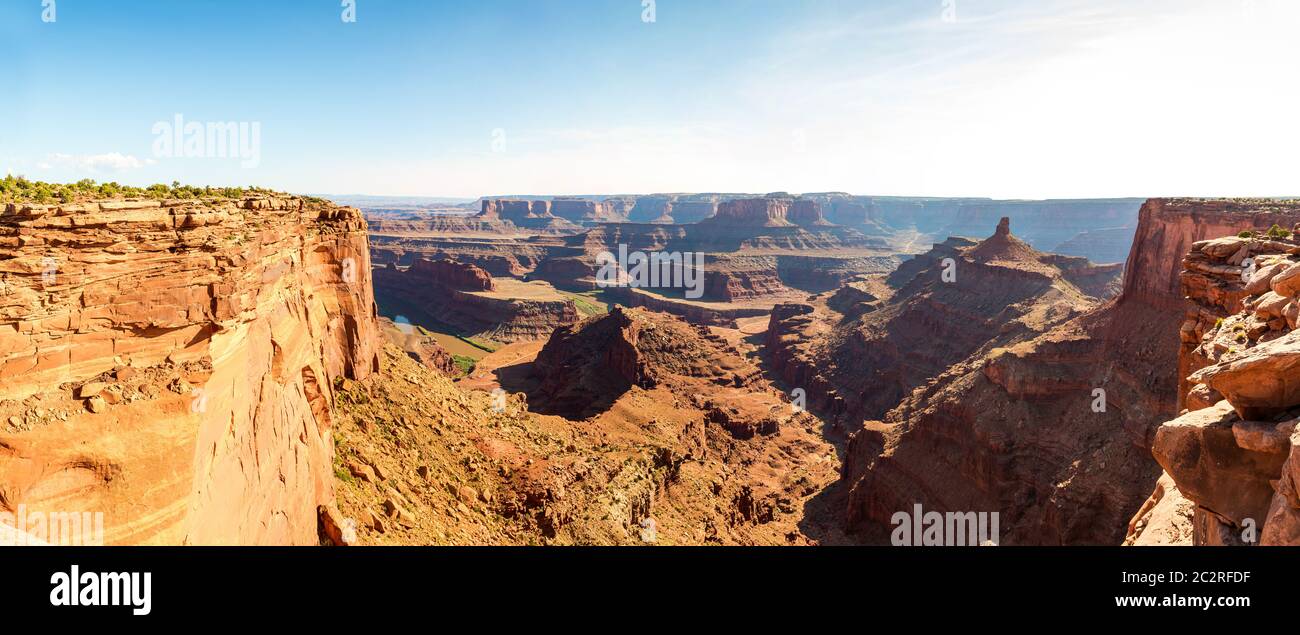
(1261, 382)
(1223, 248)
(1287, 282)
(1263, 278)
(340, 532)
(1270, 306)
(1201, 452)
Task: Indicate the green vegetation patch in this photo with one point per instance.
(464, 363)
(18, 189)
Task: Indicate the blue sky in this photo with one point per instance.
(1035, 98)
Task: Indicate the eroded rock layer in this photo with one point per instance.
(465, 297)
(671, 438)
(1054, 432)
(171, 363)
(1233, 451)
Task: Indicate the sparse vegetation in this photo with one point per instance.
(18, 189)
(1276, 231)
(587, 303)
(464, 363)
(479, 344)
(1246, 234)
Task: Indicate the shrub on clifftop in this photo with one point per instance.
(18, 189)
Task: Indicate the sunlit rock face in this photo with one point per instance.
(171, 364)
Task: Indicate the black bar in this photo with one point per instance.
(419, 582)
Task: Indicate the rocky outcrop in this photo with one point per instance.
(769, 212)
(702, 313)
(499, 256)
(465, 297)
(687, 462)
(172, 363)
(743, 262)
(529, 215)
(1051, 432)
(1001, 411)
(585, 367)
(452, 275)
(960, 298)
(583, 211)
(1232, 453)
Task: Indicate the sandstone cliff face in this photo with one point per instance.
(464, 296)
(453, 275)
(1001, 290)
(1018, 429)
(583, 211)
(530, 215)
(172, 363)
(768, 212)
(499, 256)
(1003, 420)
(1232, 454)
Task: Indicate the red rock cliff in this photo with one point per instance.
(171, 363)
(1233, 453)
(453, 275)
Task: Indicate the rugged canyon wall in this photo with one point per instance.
(1001, 292)
(668, 436)
(466, 297)
(1054, 433)
(528, 215)
(769, 212)
(1231, 454)
(583, 211)
(172, 364)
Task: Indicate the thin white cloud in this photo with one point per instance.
(93, 163)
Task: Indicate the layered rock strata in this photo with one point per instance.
(1232, 453)
(172, 363)
(465, 297)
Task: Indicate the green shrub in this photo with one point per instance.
(464, 363)
(18, 189)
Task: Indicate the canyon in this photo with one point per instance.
(215, 370)
(472, 301)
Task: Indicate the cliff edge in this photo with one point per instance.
(172, 363)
